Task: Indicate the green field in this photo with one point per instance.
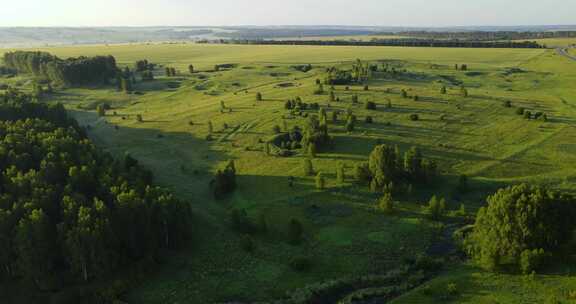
(476, 136)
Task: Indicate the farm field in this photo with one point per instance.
(477, 135)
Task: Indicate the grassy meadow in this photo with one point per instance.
(475, 135)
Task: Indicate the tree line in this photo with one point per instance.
(67, 72)
(69, 211)
(403, 42)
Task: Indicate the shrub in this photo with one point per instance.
(276, 129)
(451, 289)
(531, 260)
(320, 181)
(247, 244)
(520, 111)
(307, 167)
(507, 104)
(370, 105)
(300, 264)
(386, 204)
(295, 232)
(362, 173)
(369, 119)
(414, 117)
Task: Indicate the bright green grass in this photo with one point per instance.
(475, 285)
(476, 136)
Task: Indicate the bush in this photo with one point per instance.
(369, 119)
(520, 111)
(362, 173)
(247, 244)
(295, 232)
(451, 289)
(300, 264)
(414, 117)
(370, 105)
(276, 129)
(531, 260)
(507, 104)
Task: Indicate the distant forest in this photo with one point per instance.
(487, 35)
(391, 42)
(68, 72)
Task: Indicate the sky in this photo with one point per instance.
(286, 12)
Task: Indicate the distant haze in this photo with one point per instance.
(296, 12)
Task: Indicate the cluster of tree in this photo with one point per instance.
(126, 80)
(144, 65)
(403, 42)
(360, 73)
(315, 135)
(302, 67)
(69, 72)
(298, 105)
(388, 167)
(224, 181)
(170, 72)
(7, 71)
(69, 211)
(145, 68)
(488, 35)
(519, 225)
(529, 115)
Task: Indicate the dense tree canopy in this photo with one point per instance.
(70, 72)
(68, 209)
(517, 219)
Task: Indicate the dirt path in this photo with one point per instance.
(564, 52)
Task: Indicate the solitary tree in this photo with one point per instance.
(307, 167)
(258, 96)
(191, 69)
(320, 181)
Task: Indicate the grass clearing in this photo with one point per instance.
(476, 136)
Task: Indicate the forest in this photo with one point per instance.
(399, 42)
(67, 72)
(68, 210)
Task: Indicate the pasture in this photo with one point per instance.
(475, 135)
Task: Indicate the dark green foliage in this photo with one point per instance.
(436, 208)
(247, 244)
(443, 90)
(67, 209)
(320, 181)
(368, 120)
(101, 110)
(307, 167)
(531, 260)
(143, 65)
(520, 218)
(295, 232)
(69, 72)
(414, 117)
(507, 104)
(191, 69)
(462, 184)
(386, 166)
(225, 181)
(301, 263)
(258, 96)
(362, 173)
(520, 111)
(527, 115)
(386, 203)
(370, 105)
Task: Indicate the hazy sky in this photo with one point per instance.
(286, 12)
